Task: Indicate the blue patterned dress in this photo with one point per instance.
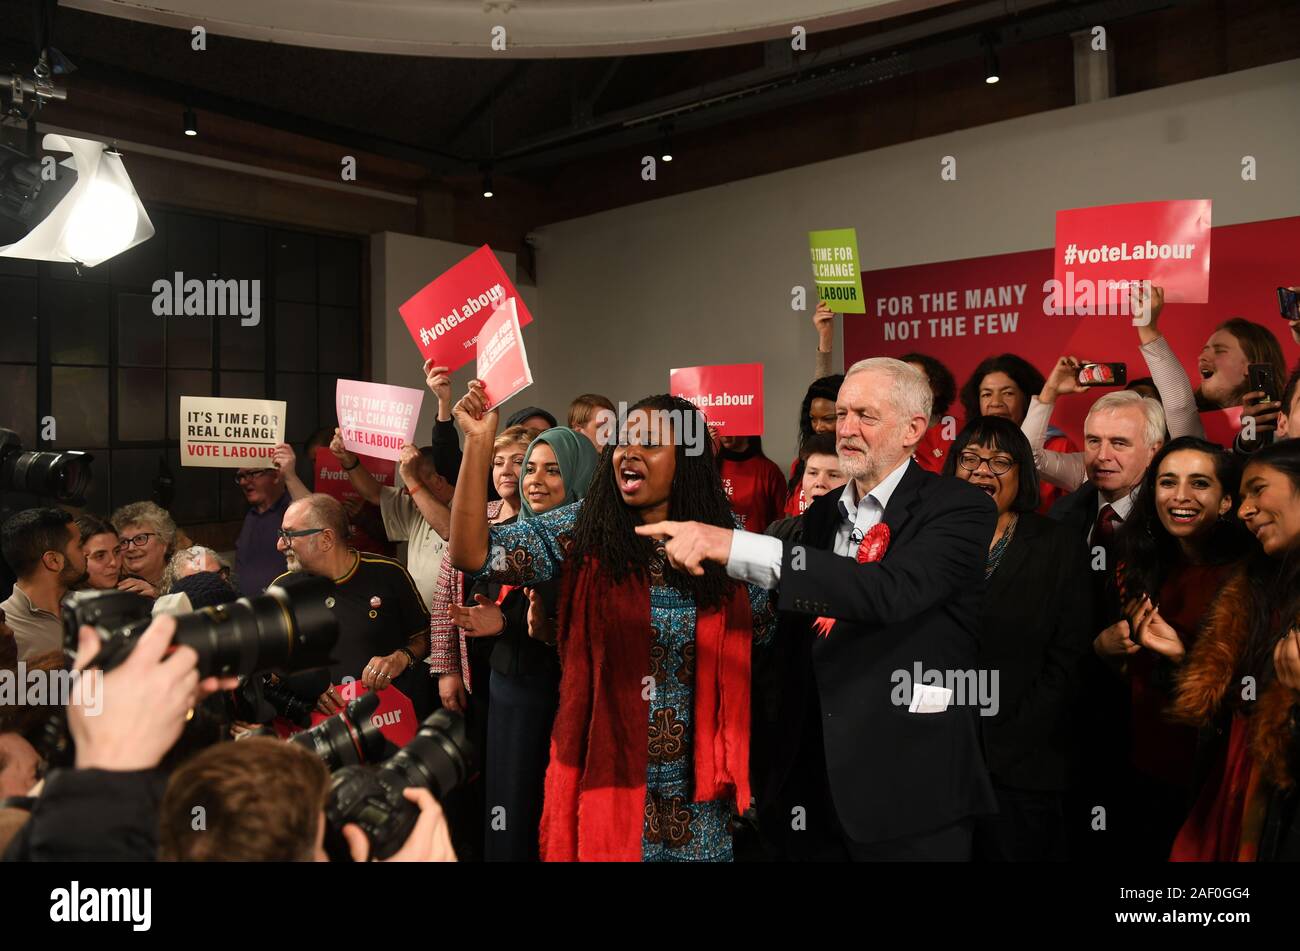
(675, 829)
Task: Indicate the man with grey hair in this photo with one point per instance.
(886, 586)
(383, 623)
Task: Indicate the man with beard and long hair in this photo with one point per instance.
(650, 747)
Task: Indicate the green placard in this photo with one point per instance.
(837, 269)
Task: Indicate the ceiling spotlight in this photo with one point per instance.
(87, 213)
(191, 122)
(487, 184)
(666, 143)
(991, 71)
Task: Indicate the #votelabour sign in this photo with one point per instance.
(729, 396)
(227, 433)
(837, 269)
(445, 317)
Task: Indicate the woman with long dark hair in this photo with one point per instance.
(650, 747)
(1035, 626)
(1241, 679)
(1180, 542)
(1003, 386)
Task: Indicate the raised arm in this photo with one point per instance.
(468, 549)
(361, 480)
(824, 322)
(433, 509)
(285, 460)
(1065, 469)
(1176, 393)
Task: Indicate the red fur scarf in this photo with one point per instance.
(1210, 679)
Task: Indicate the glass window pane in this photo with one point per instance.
(293, 263)
(146, 262)
(328, 404)
(76, 275)
(79, 401)
(18, 267)
(251, 386)
(298, 390)
(189, 341)
(295, 336)
(184, 383)
(139, 331)
(134, 472)
(233, 505)
(78, 321)
(98, 496)
(193, 246)
(340, 340)
(196, 490)
(18, 318)
(339, 268)
(18, 402)
(141, 410)
(243, 348)
(243, 251)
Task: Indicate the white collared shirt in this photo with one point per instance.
(756, 559)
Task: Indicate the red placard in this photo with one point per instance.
(1165, 242)
(330, 479)
(502, 361)
(730, 396)
(395, 717)
(445, 317)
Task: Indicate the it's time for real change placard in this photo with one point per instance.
(227, 433)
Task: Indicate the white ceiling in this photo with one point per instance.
(534, 28)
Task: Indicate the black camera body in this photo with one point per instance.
(439, 758)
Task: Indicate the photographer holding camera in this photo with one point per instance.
(262, 800)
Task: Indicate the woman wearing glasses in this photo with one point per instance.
(1036, 626)
(148, 540)
(103, 551)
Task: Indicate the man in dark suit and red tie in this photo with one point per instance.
(864, 762)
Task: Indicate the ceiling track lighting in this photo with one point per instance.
(487, 183)
(191, 122)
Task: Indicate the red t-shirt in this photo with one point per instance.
(755, 488)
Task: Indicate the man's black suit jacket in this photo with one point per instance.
(891, 773)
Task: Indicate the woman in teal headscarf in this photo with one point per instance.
(557, 470)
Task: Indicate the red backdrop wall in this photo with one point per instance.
(1249, 262)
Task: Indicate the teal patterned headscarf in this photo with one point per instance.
(577, 459)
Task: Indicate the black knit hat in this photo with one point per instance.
(205, 589)
(528, 412)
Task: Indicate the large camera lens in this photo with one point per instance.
(439, 757)
(63, 476)
(349, 738)
(289, 628)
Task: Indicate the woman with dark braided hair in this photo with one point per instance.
(650, 747)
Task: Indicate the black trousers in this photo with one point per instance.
(1029, 827)
(801, 824)
(519, 745)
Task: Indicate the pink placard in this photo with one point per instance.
(502, 360)
(377, 419)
